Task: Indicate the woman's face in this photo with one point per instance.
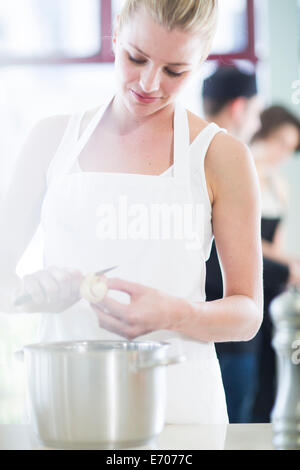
(153, 64)
(282, 143)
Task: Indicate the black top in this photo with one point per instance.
(268, 228)
(275, 277)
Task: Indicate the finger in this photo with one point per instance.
(130, 288)
(32, 287)
(75, 273)
(76, 279)
(49, 285)
(110, 323)
(69, 281)
(63, 279)
(115, 308)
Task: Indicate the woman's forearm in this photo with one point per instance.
(234, 318)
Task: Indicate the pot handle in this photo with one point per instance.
(168, 361)
(19, 355)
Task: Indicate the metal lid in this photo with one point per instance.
(97, 346)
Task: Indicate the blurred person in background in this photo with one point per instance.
(275, 142)
(230, 99)
(248, 369)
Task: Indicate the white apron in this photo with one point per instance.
(76, 236)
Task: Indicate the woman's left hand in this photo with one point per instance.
(148, 310)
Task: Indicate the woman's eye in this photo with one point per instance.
(142, 61)
(174, 74)
(136, 61)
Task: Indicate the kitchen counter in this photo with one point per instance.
(173, 437)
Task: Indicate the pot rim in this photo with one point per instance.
(94, 346)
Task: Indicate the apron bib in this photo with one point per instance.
(143, 224)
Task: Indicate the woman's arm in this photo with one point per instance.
(21, 206)
(236, 225)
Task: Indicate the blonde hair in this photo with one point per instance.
(194, 16)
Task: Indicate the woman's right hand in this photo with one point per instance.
(52, 290)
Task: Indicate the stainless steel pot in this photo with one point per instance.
(97, 394)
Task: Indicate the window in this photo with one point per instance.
(232, 29)
(79, 31)
(235, 38)
(54, 31)
(32, 28)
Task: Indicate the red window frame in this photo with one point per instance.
(249, 52)
(105, 55)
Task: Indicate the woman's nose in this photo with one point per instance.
(150, 80)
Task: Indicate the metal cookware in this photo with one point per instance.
(97, 394)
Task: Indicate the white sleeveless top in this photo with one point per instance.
(79, 234)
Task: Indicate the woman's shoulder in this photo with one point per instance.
(227, 157)
(54, 124)
(51, 129)
(227, 151)
(229, 166)
(44, 137)
(196, 125)
(57, 124)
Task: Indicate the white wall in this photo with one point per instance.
(283, 22)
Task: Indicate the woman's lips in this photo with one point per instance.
(144, 99)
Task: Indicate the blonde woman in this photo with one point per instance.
(94, 180)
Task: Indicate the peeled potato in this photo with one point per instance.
(93, 288)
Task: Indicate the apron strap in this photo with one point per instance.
(181, 143)
(82, 141)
